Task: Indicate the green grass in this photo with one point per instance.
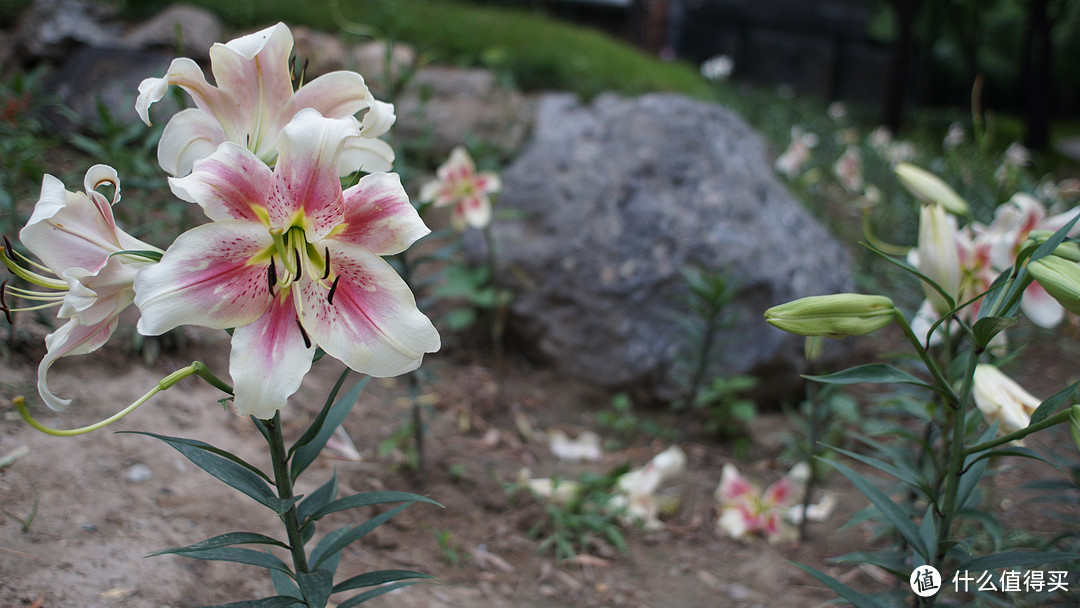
(537, 51)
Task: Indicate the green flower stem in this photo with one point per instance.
(1048, 422)
(283, 481)
(197, 368)
(956, 462)
(935, 372)
(496, 303)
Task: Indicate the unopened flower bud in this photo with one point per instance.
(1069, 250)
(929, 188)
(833, 316)
(1060, 278)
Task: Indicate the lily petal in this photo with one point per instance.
(307, 172)
(191, 134)
(1040, 307)
(69, 229)
(187, 74)
(230, 184)
(210, 276)
(372, 323)
(379, 217)
(71, 339)
(334, 95)
(269, 360)
(364, 154)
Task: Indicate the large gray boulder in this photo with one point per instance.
(611, 199)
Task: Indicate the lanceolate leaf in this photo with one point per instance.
(872, 373)
(225, 540)
(354, 534)
(1009, 559)
(316, 424)
(986, 328)
(1053, 403)
(1017, 451)
(849, 594)
(893, 561)
(317, 499)
(240, 556)
(278, 601)
(367, 499)
(316, 586)
(202, 445)
(378, 577)
(356, 600)
(907, 476)
(228, 470)
(893, 513)
(305, 453)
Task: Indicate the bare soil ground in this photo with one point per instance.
(105, 500)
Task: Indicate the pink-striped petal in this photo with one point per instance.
(269, 359)
(69, 229)
(71, 339)
(213, 275)
(307, 173)
(379, 216)
(734, 488)
(229, 184)
(190, 135)
(372, 323)
(476, 210)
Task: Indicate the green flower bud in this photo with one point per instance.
(1074, 424)
(1069, 250)
(1060, 278)
(929, 188)
(833, 316)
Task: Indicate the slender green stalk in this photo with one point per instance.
(931, 367)
(1058, 418)
(497, 318)
(283, 481)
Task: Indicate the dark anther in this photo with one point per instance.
(307, 340)
(297, 263)
(326, 273)
(333, 288)
(3, 304)
(271, 275)
(8, 249)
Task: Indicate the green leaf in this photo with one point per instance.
(988, 521)
(1016, 451)
(149, 254)
(240, 556)
(986, 328)
(278, 601)
(367, 499)
(356, 600)
(1009, 559)
(285, 585)
(228, 470)
(209, 448)
(351, 534)
(324, 426)
(1052, 404)
(317, 499)
(871, 373)
(849, 594)
(910, 477)
(928, 533)
(316, 586)
(895, 562)
(378, 577)
(224, 540)
(316, 425)
(893, 513)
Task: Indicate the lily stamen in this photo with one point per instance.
(271, 275)
(303, 334)
(333, 288)
(326, 273)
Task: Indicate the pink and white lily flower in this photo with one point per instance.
(254, 99)
(93, 261)
(460, 185)
(744, 509)
(292, 262)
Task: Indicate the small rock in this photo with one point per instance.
(323, 53)
(49, 29)
(180, 27)
(138, 473)
(370, 60)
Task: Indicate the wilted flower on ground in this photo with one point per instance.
(292, 262)
(744, 509)
(636, 492)
(880, 138)
(791, 162)
(77, 240)
(849, 170)
(585, 447)
(718, 68)
(837, 110)
(254, 99)
(1002, 400)
(460, 185)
